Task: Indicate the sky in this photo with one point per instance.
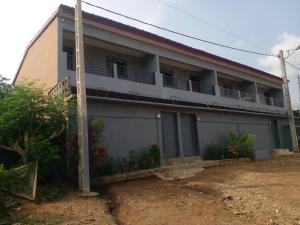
(264, 26)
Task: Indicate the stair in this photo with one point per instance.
(184, 168)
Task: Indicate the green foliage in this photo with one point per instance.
(149, 158)
(29, 123)
(47, 154)
(25, 112)
(3, 179)
(239, 146)
(244, 144)
(215, 152)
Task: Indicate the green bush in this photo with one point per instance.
(244, 144)
(3, 179)
(149, 158)
(48, 157)
(215, 152)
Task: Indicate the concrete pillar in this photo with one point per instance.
(190, 85)
(256, 93)
(115, 70)
(160, 138)
(179, 131)
(217, 88)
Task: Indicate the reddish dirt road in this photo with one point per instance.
(261, 193)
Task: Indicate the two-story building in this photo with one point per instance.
(152, 90)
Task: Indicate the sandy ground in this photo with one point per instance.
(71, 210)
(263, 193)
(243, 193)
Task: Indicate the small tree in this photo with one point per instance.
(30, 120)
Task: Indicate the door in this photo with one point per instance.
(189, 135)
(170, 134)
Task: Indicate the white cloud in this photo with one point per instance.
(272, 65)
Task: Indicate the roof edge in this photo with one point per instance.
(166, 41)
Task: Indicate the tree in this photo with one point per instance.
(26, 113)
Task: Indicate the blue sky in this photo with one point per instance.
(269, 24)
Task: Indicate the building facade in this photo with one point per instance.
(151, 90)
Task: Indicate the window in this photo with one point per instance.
(168, 77)
(121, 67)
(70, 57)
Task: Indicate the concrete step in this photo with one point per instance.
(178, 160)
(184, 170)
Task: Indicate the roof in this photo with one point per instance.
(63, 9)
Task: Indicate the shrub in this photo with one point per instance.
(149, 158)
(243, 143)
(215, 152)
(3, 179)
(46, 153)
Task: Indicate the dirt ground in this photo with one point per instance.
(70, 210)
(261, 193)
(243, 193)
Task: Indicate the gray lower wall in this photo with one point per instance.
(135, 126)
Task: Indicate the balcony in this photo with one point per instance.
(229, 93)
(114, 70)
(175, 83)
(271, 101)
(201, 88)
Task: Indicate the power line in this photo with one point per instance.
(209, 24)
(294, 50)
(178, 33)
(292, 65)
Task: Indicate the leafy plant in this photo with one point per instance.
(3, 179)
(149, 158)
(47, 155)
(215, 152)
(243, 143)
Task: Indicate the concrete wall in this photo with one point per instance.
(41, 60)
(135, 127)
(157, 90)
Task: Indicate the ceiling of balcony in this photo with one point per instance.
(180, 65)
(106, 45)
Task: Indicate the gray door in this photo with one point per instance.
(189, 135)
(170, 134)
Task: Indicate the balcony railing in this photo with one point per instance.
(246, 96)
(171, 82)
(229, 93)
(204, 89)
(127, 73)
(271, 101)
(97, 67)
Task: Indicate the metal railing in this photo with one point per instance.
(132, 74)
(229, 93)
(246, 96)
(97, 67)
(204, 89)
(63, 87)
(271, 101)
(172, 82)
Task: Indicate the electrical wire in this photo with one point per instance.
(292, 65)
(294, 50)
(209, 24)
(178, 33)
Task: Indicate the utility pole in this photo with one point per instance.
(298, 77)
(83, 165)
(288, 103)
